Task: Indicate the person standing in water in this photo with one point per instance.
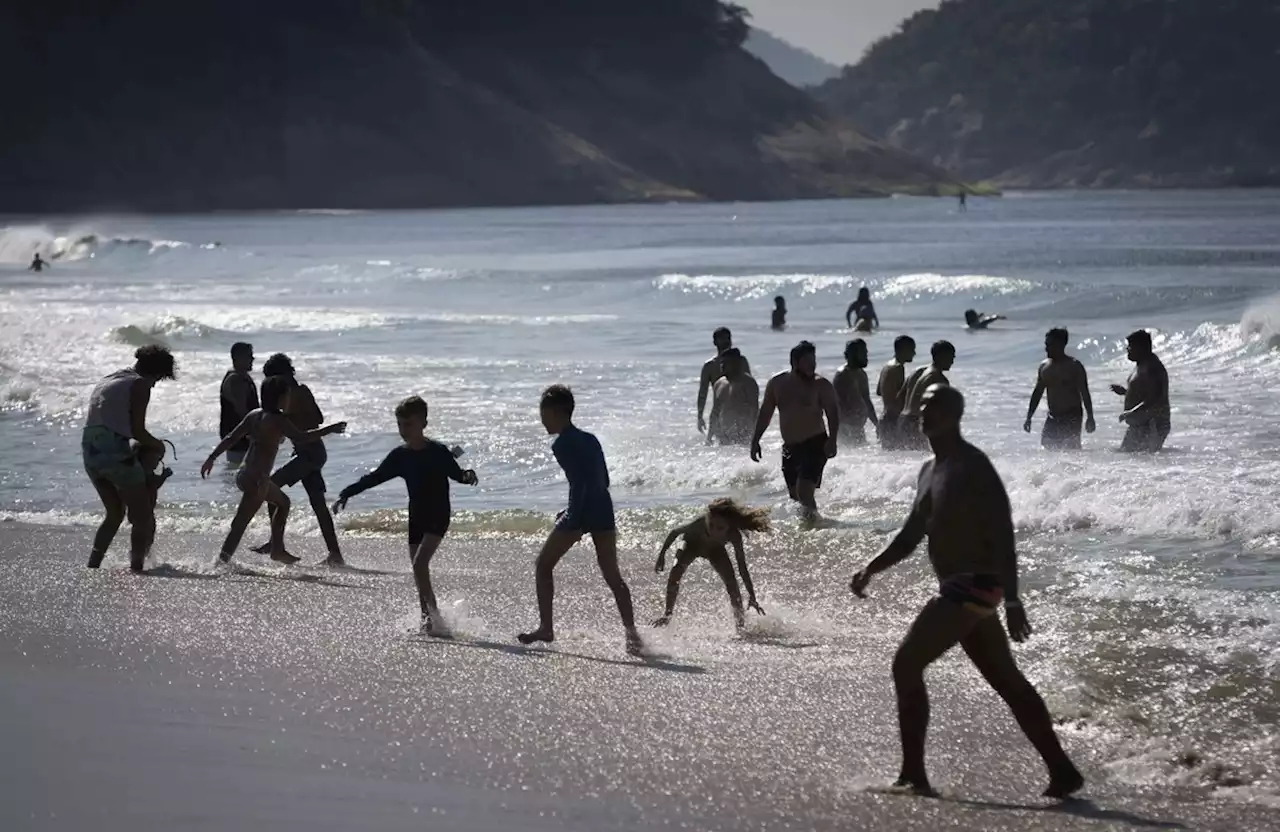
(426, 466)
(962, 506)
(861, 314)
(802, 398)
(38, 264)
(238, 396)
(912, 394)
(266, 428)
(308, 457)
(735, 402)
(723, 522)
(1065, 380)
(893, 378)
(1146, 399)
(712, 370)
(853, 394)
(590, 511)
(964, 202)
(779, 313)
(114, 443)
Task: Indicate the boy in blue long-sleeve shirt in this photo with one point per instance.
(590, 511)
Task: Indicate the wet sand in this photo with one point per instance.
(298, 699)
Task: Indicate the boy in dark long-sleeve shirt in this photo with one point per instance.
(590, 511)
(426, 466)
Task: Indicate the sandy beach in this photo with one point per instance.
(270, 698)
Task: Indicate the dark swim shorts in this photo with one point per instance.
(1062, 432)
(978, 593)
(304, 467)
(804, 461)
(592, 514)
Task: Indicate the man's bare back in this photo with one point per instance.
(734, 408)
(892, 376)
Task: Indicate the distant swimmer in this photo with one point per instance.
(735, 402)
(237, 397)
(723, 522)
(802, 398)
(779, 313)
(590, 511)
(38, 264)
(893, 379)
(964, 202)
(853, 394)
(861, 314)
(426, 466)
(1146, 399)
(712, 370)
(912, 395)
(1067, 384)
(975, 320)
(113, 444)
(962, 506)
(308, 460)
(266, 428)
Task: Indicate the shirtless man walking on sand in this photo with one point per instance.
(735, 402)
(802, 398)
(893, 377)
(1065, 380)
(962, 507)
(1146, 399)
(712, 370)
(853, 394)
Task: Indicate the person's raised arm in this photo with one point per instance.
(767, 407)
(139, 399)
(740, 554)
(228, 441)
(290, 431)
(1036, 394)
(704, 384)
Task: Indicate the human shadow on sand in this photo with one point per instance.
(1081, 807)
(653, 662)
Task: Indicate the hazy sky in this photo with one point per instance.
(838, 30)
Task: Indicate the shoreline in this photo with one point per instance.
(296, 699)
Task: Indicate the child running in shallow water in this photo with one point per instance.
(426, 466)
(723, 522)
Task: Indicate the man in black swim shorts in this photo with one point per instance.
(802, 398)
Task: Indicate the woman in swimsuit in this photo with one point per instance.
(723, 522)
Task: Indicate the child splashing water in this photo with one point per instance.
(724, 521)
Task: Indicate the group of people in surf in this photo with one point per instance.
(961, 505)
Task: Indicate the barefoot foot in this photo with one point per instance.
(284, 557)
(1064, 784)
(537, 635)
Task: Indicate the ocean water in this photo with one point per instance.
(1154, 582)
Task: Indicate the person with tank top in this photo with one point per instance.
(239, 396)
(115, 443)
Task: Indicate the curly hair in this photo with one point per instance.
(739, 516)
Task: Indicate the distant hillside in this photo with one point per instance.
(243, 104)
(798, 67)
(1079, 93)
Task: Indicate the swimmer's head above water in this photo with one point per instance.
(732, 364)
(722, 338)
(943, 354)
(556, 408)
(1055, 342)
(1140, 345)
(278, 365)
(941, 409)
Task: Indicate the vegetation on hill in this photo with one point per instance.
(798, 67)
(1079, 92)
